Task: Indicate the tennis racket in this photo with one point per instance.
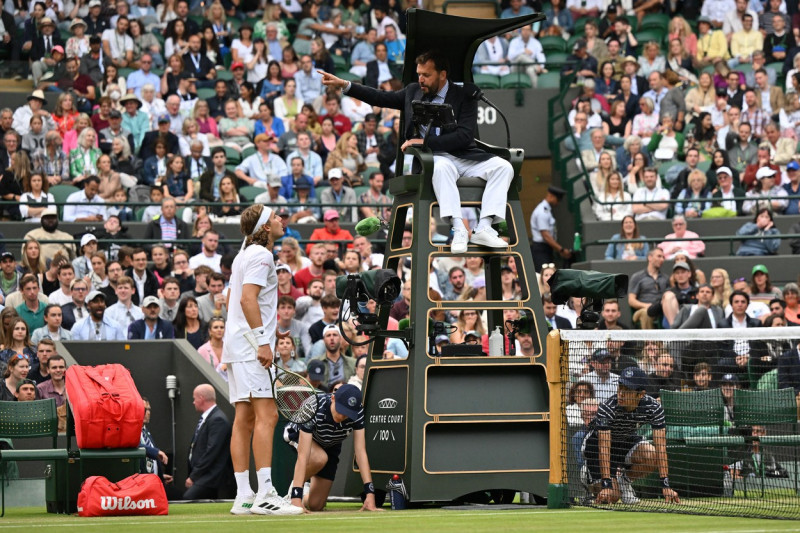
(295, 397)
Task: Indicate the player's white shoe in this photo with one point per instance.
(273, 504)
(628, 495)
(243, 504)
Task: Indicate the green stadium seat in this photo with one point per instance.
(348, 76)
(654, 21)
(226, 75)
(694, 408)
(205, 93)
(650, 35)
(549, 80)
(580, 24)
(553, 43)
(234, 157)
(517, 80)
(61, 193)
(249, 192)
(247, 152)
(486, 81)
(704, 165)
(556, 58)
(340, 62)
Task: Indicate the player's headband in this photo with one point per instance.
(266, 214)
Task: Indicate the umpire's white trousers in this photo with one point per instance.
(496, 172)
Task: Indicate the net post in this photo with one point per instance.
(557, 491)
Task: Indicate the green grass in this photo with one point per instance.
(207, 518)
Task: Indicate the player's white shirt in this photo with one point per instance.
(254, 266)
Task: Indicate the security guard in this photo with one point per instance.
(543, 230)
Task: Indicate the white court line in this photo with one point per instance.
(104, 521)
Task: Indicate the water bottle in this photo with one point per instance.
(397, 493)
(727, 482)
(496, 343)
(576, 247)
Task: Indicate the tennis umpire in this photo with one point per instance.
(319, 443)
(613, 448)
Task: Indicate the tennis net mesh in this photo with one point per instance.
(732, 438)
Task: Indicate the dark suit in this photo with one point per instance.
(561, 323)
(207, 183)
(149, 144)
(203, 67)
(751, 322)
(210, 464)
(111, 295)
(789, 371)
(153, 230)
(38, 48)
(164, 330)
(459, 142)
(688, 320)
(371, 79)
(150, 285)
(68, 315)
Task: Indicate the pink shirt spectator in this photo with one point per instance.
(693, 247)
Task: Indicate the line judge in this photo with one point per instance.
(455, 152)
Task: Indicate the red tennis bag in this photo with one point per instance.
(139, 494)
(106, 406)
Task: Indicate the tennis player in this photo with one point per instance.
(250, 338)
(319, 443)
(613, 448)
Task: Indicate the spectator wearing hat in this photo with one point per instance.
(134, 120)
(162, 132)
(792, 187)
(94, 62)
(682, 293)
(726, 191)
(34, 108)
(331, 231)
(602, 379)
(45, 41)
(257, 167)
(307, 208)
(83, 263)
(579, 62)
(49, 232)
(96, 22)
(96, 326)
(543, 230)
(339, 193)
(273, 194)
(712, 46)
(138, 78)
(151, 326)
(766, 194)
(764, 228)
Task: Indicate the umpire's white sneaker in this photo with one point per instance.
(243, 504)
(459, 242)
(273, 504)
(626, 489)
(487, 237)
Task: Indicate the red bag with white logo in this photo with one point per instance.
(139, 494)
(106, 406)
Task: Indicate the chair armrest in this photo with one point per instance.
(410, 183)
(515, 156)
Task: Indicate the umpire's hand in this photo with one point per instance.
(329, 80)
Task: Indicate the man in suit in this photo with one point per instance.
(209, 456)
(701, 315)
(216, 170)
(198, 64)
(553, 320)
(151, 326)
(75, 310)
(149, 142)
(776, 100)
(739, 318)
(455, 151)
(145, 282)
(167, 227)
(381, 69)
(591, 157)
(789, 370)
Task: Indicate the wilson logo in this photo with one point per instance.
(110, 503)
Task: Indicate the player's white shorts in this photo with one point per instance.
(248, 379)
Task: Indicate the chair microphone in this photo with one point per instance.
(172, 386)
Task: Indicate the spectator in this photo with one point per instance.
(96, 326)
(527, 52)
(208, 255)
(188, 324)
(558, 18)
(753, 114)
(645, 123)
(338, 367)
(591, 157)
(781, 149)
(744, 152)
(144, 281)
(66, 273)
(16, 372)
(602, 379)
(745, 41)
(151, 326)
(695, 195)
(725, 191)
(52, 329)
(651, 192)
(646, 289)
(692, 248)
(580, 62)
(766, 194)
(211, 351)
(255, 169)
(212, 304)
(234, 129)
(312, 162)
(553, 320)
(124, 312)
(664, 377)
(779, 41)
(666, 143)
(651, 62)
(684, 292)
(55, 387)
(711, 44)
(763, 227)
(373, 198)
(75, 309)
(631, 251)
(703, 314)
(616, 126)
(32, 308)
